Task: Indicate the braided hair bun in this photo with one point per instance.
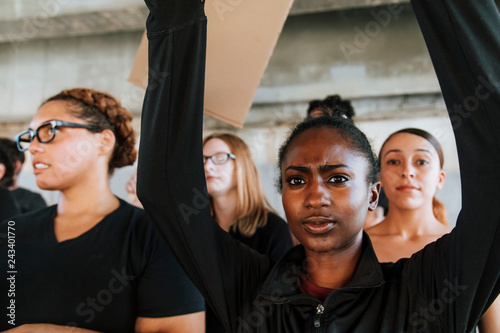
(103, 111)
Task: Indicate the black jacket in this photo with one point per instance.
(446, 287)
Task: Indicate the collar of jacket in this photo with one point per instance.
(281, 283)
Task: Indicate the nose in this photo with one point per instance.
(209, 164)
(35, 146)
(407, 170)
(318, 195)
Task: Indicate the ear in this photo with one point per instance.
(2, 170)
(107, 141)
(373, 195)
(19, 166)
(442, 177)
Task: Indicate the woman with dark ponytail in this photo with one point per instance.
(92, 262)
(411, 171)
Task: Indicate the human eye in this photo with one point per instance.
(422, 162)
(338, 179)
(46, 132)
(219, 158)
(392, 161)
(53, 130)
(295, 181)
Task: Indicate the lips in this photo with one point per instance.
(407, 188)
(318, 224)
(39, 167)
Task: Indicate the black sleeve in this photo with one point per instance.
(171, 180)
(164, 290)
(460, 272)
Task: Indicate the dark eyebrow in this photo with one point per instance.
(298, 168)
(392, 151)
(323, 168)
(45, 122)
(330, 167)
(398, 151)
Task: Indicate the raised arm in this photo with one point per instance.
(464, 44)
(171, 180)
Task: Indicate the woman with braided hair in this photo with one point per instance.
(91, 262)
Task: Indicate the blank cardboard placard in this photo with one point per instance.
(241, 38)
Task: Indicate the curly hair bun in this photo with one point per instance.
(104, 111)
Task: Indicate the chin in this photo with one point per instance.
(46, 186)
(319, 245)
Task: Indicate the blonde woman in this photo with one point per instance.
(238, 203)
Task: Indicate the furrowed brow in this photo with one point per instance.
(330, 167)
(298, 168)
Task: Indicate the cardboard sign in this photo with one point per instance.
(240, 41)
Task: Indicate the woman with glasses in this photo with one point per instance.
(238, 203)
(92, 261)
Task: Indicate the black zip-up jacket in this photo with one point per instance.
(446, 287)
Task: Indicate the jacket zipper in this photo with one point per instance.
(319, 312)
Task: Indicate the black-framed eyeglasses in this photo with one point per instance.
(46, 133)
(219, 158)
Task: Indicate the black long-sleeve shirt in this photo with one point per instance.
(446, 287)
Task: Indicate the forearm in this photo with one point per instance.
(171, 181)
(490, 322)
(47, 328)
(172, 122)
(464, 45)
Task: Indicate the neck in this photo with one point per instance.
(334, 270)
(225, 209)
(410, 223)
(87, 198)
(15, 185)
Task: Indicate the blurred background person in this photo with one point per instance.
(410, 163)
(8, 206)
(332, 105)
(131, 188)
(411, 171)
(238, 203)
(26, 200)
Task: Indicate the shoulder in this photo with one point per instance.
(130, 213)
(34, 217)
(378, 230)
(30, 225)
(275, 221)
(274, 227)
(26, 194)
